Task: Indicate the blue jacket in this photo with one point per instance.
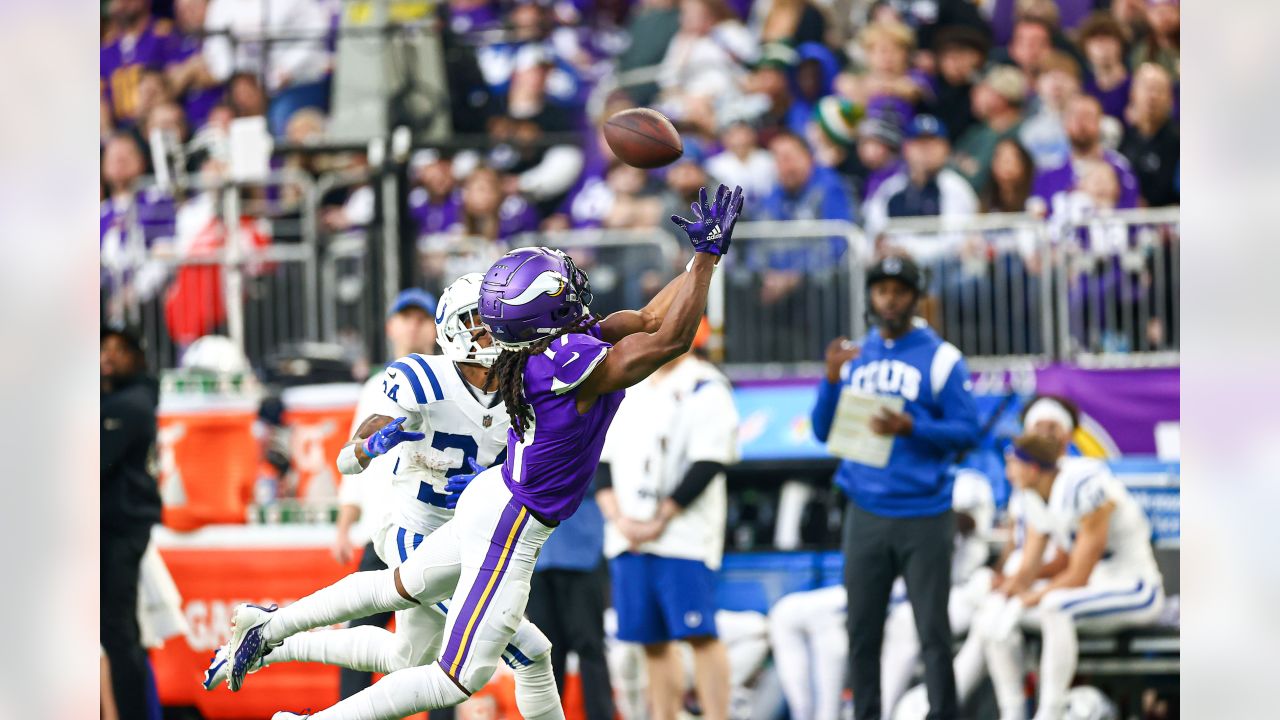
(825, 197)
(931, 376)
(578, 543)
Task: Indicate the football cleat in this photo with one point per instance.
(247, 646)
(220, 667)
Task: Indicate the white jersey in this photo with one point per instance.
(665, 425)
(428, 390)
(1082, 486)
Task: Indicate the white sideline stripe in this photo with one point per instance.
(217, 537)
(321, 396)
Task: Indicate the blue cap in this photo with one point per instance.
(926, 126)
(411, 298)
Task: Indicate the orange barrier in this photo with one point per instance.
(208, 459)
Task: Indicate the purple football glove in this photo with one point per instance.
(456, 484)
(711, 228)
(388, 437)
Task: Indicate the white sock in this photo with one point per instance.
(969, 665)
(791, 659)
(627, 673)
(1004, 662)
(365, 648)
(537, 697)
(830, 655)
(898, 657)
(355, 596)
(1057, 662)
(398, 695)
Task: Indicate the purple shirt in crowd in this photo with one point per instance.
(1052, 185)
(434, 216)
(1113, 101)
(474, 19)
(550, 471)
(877, 177)
(516, 215)
(197, 103)
(590, 199)
(122, 61)
(154, 217)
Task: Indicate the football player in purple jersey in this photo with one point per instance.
(562, 373)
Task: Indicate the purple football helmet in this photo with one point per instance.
(531, 293)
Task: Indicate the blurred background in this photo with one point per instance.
(275, 172)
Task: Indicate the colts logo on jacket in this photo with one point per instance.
(888, 377)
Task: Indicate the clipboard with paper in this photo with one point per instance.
(851, 436)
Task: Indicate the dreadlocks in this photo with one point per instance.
(508, 368)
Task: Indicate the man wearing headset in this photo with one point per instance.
(899, 520)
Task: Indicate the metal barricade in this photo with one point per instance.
(787, 289)
(1118, 276)
(239, 263)
(626, 267)
(353, 274)
(989, 288)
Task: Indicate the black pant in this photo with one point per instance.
(876, 551)
(121, 562)
(351, 682)
(568, 606)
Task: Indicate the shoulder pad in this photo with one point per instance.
(573, 357)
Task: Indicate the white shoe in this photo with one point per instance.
(247, 645)
(220, 667)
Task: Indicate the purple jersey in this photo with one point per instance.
(1051, 186)
(434, 216)
(197, 102)
(122, 61)
(551, 469)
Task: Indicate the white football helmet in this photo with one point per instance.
(215, 354)
(1088, 703)
(459, 303)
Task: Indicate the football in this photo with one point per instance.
(643, 138)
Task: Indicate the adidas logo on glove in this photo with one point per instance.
(714, 234)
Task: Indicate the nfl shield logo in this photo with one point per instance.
(488, 420)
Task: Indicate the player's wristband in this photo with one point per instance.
(348, 463)
(689, 266)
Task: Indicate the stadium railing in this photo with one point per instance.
(236, 260)
(1006, 289)
(1097, 290)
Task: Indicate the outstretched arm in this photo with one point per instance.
(635, 356)
(645, 320)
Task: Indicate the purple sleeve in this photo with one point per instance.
(573, 357)
(1128, 181)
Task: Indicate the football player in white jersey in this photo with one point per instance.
(1111, 580)
(807, 629)
(451, 423)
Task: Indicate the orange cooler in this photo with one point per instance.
(208, 458)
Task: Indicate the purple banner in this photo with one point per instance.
(1126, 403)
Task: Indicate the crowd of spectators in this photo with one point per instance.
(864, 110)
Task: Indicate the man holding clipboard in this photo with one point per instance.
(897, 408)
